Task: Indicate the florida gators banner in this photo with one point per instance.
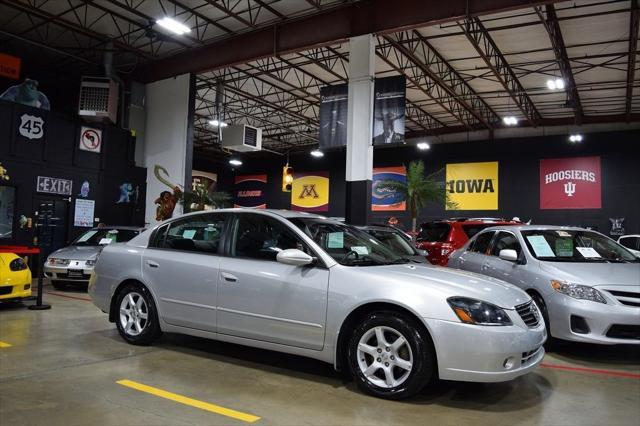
(385, 195)
(570, 183)
(310, 192)
(249, 191)
(473, 186)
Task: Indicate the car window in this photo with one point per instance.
(631, 242)
(505, 241)
(262, 237)
(472, 230)
(201, 233)
(481, 243)
(434, 232)
(101, 236)
(394, 241)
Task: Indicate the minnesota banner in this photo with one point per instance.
(384, 189)
(473, 186)
(310, 192)
(249, 191)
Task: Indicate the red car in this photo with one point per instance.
(443, 237)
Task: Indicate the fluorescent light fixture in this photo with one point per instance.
(235, 162)
(510, 120)
(423, 146)
(317, 153)
(173, 25)
(216, 123)
(576, 137)
(555, 84)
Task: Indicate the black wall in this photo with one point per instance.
(518, 176)
(57, 155)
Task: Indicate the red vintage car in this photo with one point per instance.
(441, 238)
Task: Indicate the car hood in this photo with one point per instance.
(453, 282)
(77, 252)
(594, 274)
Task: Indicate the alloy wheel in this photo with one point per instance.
(384, 357)
(134, 314)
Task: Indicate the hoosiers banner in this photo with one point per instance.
(472, 186)
(384, 189)
(249, 191)
(570, 183)
(310, 192)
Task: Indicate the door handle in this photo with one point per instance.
(229, 277)
(485, 267)
(152, 264)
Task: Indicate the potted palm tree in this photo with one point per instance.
(200, 198)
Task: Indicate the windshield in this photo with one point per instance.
(575, 246)
(393, 241)
(348, 245)
(96, 237)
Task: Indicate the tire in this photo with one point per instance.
(136, 315)
(389, 380)
(58, 285)
(551, 342)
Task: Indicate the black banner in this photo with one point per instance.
(333, 116)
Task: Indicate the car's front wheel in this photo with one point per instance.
(390, 356)
(137, 318)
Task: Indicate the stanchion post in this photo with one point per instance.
(39, 306)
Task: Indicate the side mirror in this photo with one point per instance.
(422, 252)
(294, 257)
(508, 255)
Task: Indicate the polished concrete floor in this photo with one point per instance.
(63, 365)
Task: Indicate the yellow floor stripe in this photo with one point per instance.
(5, 345)
(249, 418)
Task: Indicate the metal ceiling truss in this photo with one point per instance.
(634, 24)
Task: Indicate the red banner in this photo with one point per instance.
(570, 183)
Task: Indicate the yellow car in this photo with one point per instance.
(15, 277)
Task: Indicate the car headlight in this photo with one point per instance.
(18, 265)
(472, 311)
(58, 262)
(577, 291)
(91, 262)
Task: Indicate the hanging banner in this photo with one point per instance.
(333, 116)
(385, 195)
(310, 192)
(249, 191)
(10, 66)
(90, 139)
(472, 186)
(570, 183)
(83, 215)
(388, 110)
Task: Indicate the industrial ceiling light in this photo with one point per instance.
(235, 162)
(216, 123)
(317, 153)
(423, 146)
(173, 25)
(555, 84)
(575, 138)
(510, 120)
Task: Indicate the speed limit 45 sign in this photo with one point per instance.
(90, 139)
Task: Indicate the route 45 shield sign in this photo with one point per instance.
(31, 127)
(90, 139)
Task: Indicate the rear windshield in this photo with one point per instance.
(434, 232)
(472, 230)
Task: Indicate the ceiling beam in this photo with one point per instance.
(330, 26)
(631, 64)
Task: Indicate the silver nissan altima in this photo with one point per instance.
(311, 286)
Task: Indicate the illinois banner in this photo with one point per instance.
(249, 191)
(310, 192)
(385, 195)
(570, 183)
(473, 186)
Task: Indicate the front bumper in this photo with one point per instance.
(473, 353)
(600, 319)
(76, 271)
(17, 287)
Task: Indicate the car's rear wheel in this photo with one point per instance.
(390, 356)
(137, 317)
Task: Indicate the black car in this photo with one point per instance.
(396, 240)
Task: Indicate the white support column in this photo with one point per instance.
(359, 167)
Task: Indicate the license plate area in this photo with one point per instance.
(75, 273)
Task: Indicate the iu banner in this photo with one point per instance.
(310, 192)
(385, 195)
(473, 186)
(249, 191)
(570, 183)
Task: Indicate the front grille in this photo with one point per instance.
(66, 276)
(6, 290)
(626, 297)
(528, 356)
(623, 331)
(529, 314)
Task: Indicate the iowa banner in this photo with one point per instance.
(384, 189)
(310, 192)
(249, 191)
(570, 183)
(473, 186)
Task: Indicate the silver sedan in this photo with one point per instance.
(586, 284)
(310, 286)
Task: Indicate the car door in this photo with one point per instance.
(260, 298)
(502, 269)
(182, 265)
(474, 257)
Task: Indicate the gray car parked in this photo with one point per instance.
(307, 285)
(586, 284)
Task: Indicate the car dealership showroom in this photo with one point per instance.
(319, 212)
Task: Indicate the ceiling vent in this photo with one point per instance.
(242, 138)
(98, 99)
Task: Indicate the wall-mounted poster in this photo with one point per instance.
(27, 93)
(209, 180)
(83, 216)
(333, 116)
(249, 191)
(384, 189)
(570, 183)
(90, 139)
(472, 186)
(388, 110)
(10, 66)
(310, 192)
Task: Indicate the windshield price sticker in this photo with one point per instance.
(564, 247)
(189, 234)
(335, 240)
(588, 252)
(540, 246)
(86, 236)
(563, 233)
(105, 241)
(362, 250)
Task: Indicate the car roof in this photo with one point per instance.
(282, 213)
(123, 228)
(539, 228)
